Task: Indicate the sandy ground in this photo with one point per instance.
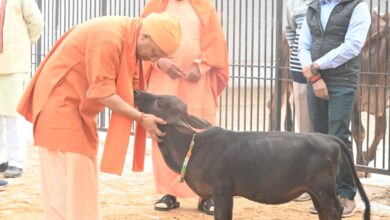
(131, 196)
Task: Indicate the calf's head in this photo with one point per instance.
(170, 108)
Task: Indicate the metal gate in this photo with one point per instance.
(253, 30)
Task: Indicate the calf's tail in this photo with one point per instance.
(362, 193)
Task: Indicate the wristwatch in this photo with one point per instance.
(313, 70)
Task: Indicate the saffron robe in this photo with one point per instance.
(202, 43)
(93, 60)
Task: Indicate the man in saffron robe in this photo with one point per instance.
(92, 66)
(197, 74)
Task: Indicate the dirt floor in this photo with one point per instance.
(131, 196)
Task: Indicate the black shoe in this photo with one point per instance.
(166, 203)
(13, 172)
(207, 206)
(3, 183)
(3, 167)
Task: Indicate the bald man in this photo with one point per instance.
(92, 66)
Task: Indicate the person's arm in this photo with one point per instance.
(118, 105)
(213, 59)
(354, 39)
(148, 121)
(304, 45)
(291, 26)
(102, 62)
(33, 18)
(196, 71)
(168, 66)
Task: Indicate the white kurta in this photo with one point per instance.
(11, 89)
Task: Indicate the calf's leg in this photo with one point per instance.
(331, 208)
(327, 205)
(323, 194)
(223, 201)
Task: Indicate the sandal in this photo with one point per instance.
(207, 206)
(168, 202)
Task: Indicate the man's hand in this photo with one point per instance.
(320, 89)
(169, 67)
(193, 75)
(149, 122)
(308, 72)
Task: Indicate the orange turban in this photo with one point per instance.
(164, 29)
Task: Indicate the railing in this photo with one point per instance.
(253, 31)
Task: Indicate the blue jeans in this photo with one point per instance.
(333, 117)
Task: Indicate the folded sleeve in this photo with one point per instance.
(33, 18)
(102, 64)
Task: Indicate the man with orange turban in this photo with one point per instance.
(92, 66)
(197, 74)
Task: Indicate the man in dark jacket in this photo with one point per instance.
(329, 49)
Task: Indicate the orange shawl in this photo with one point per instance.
(119, 130)
(213, 44)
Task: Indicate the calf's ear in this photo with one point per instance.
(198, 123)
(182, 126)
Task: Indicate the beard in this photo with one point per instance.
(142, 56)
